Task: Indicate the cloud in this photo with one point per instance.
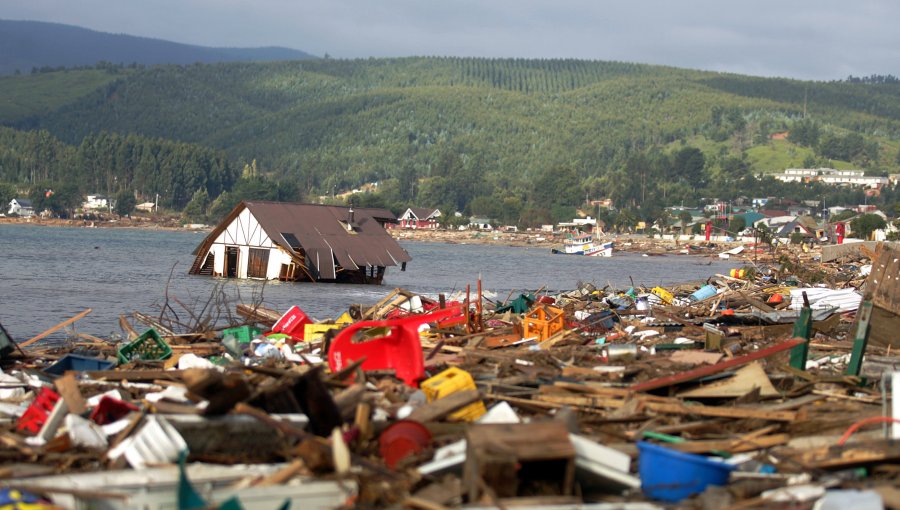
(824, 39)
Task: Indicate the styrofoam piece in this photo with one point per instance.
(446, 458)
(84, 432)
(171, 393)
(157, 442)
(191, 360)
(500, 413)
(610, 457)
(114, 393)
(157, 488)
(54, 421)
(601, 466)
(111, 429)
(12, 409)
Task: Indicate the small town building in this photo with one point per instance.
(21, 207)
(420, 217)
(300, 242)
(95, 203)
(478, 223)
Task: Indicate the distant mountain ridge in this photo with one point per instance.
(28, 44)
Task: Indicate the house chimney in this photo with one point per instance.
(350, 218)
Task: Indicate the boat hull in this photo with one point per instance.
(603, 250)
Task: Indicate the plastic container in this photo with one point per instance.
(38, 412)
(737, 273)
(292, 322)
(243, 334)
(147, 347)
(313, 332)
(543, 322)
(77, 363)
(450, 381)
(662, 294)
(111, 409)
(704, 292)
(402, 439)
(670, 475)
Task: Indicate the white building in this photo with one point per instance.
(832, 177)
(21, 207)
(95, 203)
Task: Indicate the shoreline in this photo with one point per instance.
(629, 243)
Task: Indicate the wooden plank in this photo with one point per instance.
(68, 389)
(445, 406)
(731, 445)
(745, 380)
(127, 328)
(134, 375)
(703, 371)
(54, 329)
(721, 411)
(670, 407)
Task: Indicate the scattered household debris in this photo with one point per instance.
(748, 390)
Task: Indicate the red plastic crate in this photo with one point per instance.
(38, 411)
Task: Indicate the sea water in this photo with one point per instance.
(49, 274)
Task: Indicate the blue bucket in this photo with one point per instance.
(670, 475)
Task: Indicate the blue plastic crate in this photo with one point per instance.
(77, 363)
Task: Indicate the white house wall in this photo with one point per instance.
(245, 233)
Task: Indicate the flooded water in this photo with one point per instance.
(48, 274)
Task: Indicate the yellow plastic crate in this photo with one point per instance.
(313, 332)
(663, 294)
(451, 381)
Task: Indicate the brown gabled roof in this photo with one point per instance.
(323, 234)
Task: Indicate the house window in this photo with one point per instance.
(258, 264)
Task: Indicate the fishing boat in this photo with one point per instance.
(583, 244)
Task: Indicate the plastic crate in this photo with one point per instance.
(243, 333)
(663, 294)
(77, 363)
(147, 347)
(313, 332)
(451, 381)
(36, 414)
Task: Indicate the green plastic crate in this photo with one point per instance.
(147, 347)
(243, 334)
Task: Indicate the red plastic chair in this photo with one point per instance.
(399, 350)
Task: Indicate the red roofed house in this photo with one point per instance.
(420, 217)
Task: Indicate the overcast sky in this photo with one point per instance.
(806, 39)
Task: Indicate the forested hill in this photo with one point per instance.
(523, 138)
(25, 45)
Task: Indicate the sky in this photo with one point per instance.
(803, 39)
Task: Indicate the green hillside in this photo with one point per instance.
(454, 132)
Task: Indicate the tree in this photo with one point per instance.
(195, 210)
(737, 225)
(865, 224)
(7, 193)
(125, 203)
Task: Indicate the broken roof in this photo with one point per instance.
(325, 232)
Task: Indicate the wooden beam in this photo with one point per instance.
(445, 406)
(690, 375)
(54, 329)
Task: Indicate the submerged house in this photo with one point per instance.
(300, 242)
